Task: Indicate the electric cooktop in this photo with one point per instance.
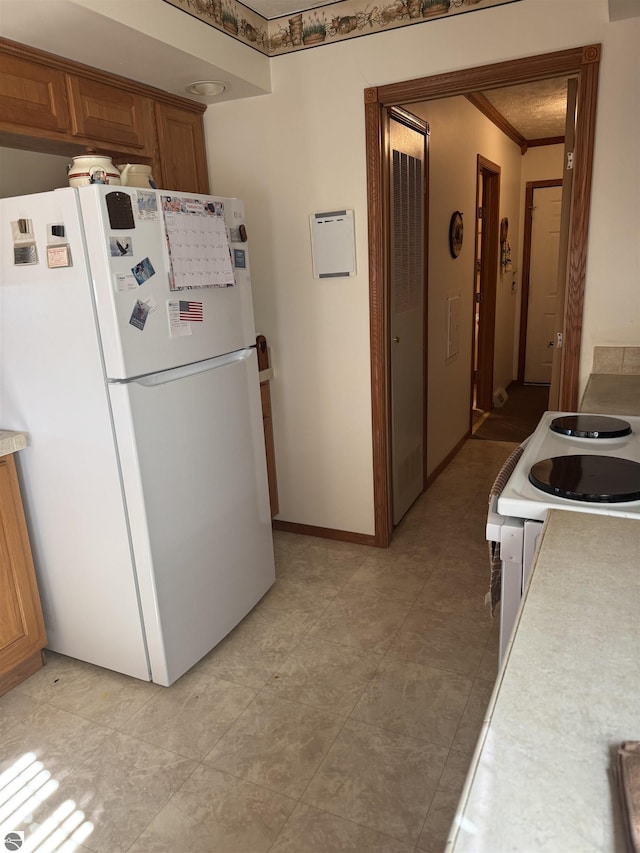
(597, 479)
(590, 426)
(576, 461)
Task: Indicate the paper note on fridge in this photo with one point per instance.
(197, 242)
(125, 281)
(177, 326)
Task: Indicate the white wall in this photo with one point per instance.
(297, 162)
(24, 172)
(301, 149)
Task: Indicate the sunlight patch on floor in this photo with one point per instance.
(24, 787)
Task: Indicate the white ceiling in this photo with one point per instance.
(536, 110)
(270, 9)
(76, 32)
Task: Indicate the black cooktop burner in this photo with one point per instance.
(590, 426)
(595, 479)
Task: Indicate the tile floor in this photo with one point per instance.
(340, 715)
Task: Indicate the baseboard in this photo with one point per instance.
(324, 532)
(447, 459)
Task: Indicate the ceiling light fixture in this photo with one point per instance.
(206, 87)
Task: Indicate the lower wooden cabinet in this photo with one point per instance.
(22, 634)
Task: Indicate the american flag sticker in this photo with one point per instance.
(191, 312)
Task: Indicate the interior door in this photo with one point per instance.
(543, 283)
(408, 143)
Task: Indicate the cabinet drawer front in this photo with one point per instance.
(107, 113)
(32, 96)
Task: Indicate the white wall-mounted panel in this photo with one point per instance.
(333, 246)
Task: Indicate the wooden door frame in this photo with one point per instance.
(530, 187)
(491, 172)
(584, 63)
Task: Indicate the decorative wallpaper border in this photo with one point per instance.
(323, 25)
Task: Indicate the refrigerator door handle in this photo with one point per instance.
(176, 373)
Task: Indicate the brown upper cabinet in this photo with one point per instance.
(106, 114)
(32, 96)
(181, 141)
(51, 104)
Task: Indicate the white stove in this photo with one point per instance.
(578, 462)
(520, 498)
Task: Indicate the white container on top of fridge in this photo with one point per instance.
(127, 356)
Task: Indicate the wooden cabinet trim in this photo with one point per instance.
(269, 446)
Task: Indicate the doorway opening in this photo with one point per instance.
(583, 63)
(538, 307)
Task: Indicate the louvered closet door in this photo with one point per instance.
(407, 317)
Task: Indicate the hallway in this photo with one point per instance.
(517, 418)
(340, 715)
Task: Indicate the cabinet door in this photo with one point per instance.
(22, 633)
(182, 150)
(32, 96)
(106, 113)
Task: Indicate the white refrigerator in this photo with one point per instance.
(127, 356)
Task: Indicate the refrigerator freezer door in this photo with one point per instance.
(52, 387)
(194, 470)
(130, 265)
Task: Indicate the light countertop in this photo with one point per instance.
(567, 693)
(612, 394)
(11, 441)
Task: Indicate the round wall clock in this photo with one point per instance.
(456, 230)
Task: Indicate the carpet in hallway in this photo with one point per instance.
(518, 417)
